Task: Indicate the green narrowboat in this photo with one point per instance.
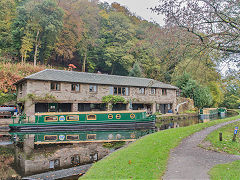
(81, 136)
(87, 121)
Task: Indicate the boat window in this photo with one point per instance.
(91, 117)
(132, 116)
(118, 116)
(73, 118)
(91, 136)
(72, 137)
(110, 116)
(51, 118)
(50, 137)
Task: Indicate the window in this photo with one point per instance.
(75, 87)
(50, 137)
(93, 88)
(91, 117)
(153, 90)
(72, 137)
(54, 164)
(110, 116)
(55, 86)
(141, 90)
(91, 136)
(118, 116)
(50, 118)
(75, 160)
(164, 92)
(121, 91)
(73, 118)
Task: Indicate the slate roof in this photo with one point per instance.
(93, 78)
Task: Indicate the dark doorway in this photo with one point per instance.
(138, 106)
(164, 108)
(91, 107)
(41, 107)
(119, 107)
(52, 107)
(64, 107)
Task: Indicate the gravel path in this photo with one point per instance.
(188, 161)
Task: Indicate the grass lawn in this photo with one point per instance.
(226, 145)
(147, 157)
(230, 170)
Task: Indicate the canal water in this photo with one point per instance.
(23, 154)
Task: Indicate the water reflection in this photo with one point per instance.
(41, 152)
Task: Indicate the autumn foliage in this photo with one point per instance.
(11, 73)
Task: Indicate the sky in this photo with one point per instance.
(140, 8)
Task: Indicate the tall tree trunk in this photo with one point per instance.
(36, 49)
(84, 62)
(25, 57)
(22, 58)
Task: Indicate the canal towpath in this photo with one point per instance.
(189, 161)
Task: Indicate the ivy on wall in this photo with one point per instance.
(35, 98)
(114, 99)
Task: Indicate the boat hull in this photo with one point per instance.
(84, 127)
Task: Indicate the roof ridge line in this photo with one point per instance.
(104, 74)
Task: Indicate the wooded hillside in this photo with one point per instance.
(97, 37)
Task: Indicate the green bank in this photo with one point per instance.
(230, 170)
(147, 157)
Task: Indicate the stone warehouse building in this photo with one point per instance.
(69, 91)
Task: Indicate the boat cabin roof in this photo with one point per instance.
(88, 112)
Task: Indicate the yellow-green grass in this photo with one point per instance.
(147, 157)
(230, 170)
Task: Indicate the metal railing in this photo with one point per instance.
(23, 119)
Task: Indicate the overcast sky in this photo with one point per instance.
(140, 8)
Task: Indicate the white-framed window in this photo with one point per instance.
(55, 86)
(141, 90)
(92, 88)
(153, 90)
(75, 87)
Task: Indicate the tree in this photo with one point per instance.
(215, 23)
(71, 33)
(136, 71)
(7, 13)
(232, 90)
(38, 24)
(191, 89)
(216, 93)
(89, 13)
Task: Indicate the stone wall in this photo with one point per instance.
(65, 95)
(189, 105)
(65, 157)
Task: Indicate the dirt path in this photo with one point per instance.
(188, 161)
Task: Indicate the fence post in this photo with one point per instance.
(220, 136)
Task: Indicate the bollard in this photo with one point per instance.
(220, 136)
